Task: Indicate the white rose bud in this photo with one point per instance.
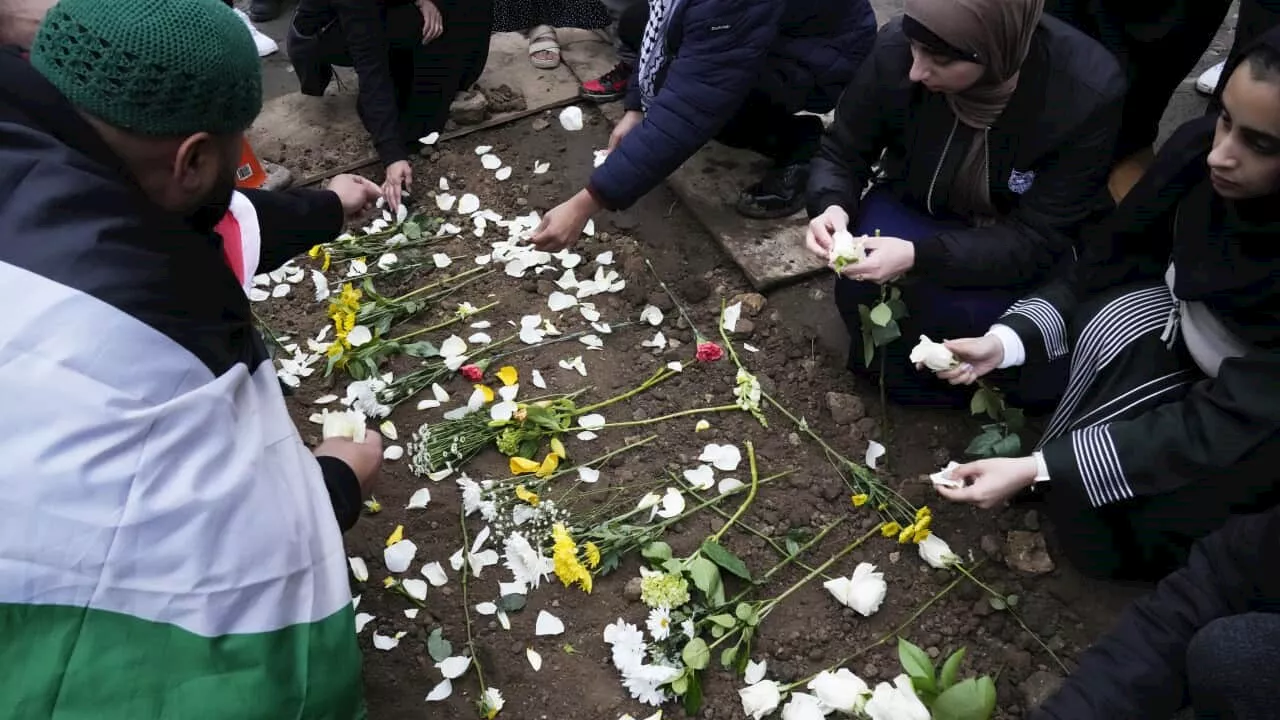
(846, 250)
(932, 355)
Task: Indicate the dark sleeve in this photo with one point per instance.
(291, 222)
(1221, 423)
(362, 27)
(1138, 670)
(344, 491)
(721, 52)
(863, 123)
(633, 99)
(1027, 243)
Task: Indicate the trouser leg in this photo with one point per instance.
(1231, 667)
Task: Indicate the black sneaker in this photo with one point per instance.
(264, 10)
(779, 194)
(609, 86)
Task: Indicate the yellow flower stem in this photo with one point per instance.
(466, 603)
(894, 633)
(671, 416)
(969, 574)
(438, 283)
(659, 376)
(445, 324)
(751, 495)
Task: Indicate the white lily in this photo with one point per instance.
(760, 699)
(863, 591)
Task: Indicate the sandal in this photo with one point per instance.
(542, 41)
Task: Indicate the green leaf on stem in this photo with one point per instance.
(728, 655)
(721, 556)
(882, 336)
(997, 603)
(917, 664)
(1007, 446)
(656, 551)
(881, 315)
(673, 566)
(696, 654)
(951, 670)
(972, 699)
(437, 646)
(868, 342)
(693, 696)
(724, 620)
(422, 349)
(978, 403)
(411, 230)
(747, 614)
(982, 445)
(706, 577)
(680, 685)
(1015, 418)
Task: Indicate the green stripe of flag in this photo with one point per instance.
(68, 663)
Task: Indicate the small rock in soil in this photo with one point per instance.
(469, 108)
(1017, 658)
(1039, 686)
(503, 99)
(752, 303)
(990, 545)
(870, 672)
(982, 607)
(632, 590)
(868, 427)
(845, 409)
(1031, 520)
(793, 438)
(744, 328)
(540, 124)
(694, 289)
(1026, 551)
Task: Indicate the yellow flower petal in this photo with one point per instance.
(520, 466)
(593, 555)
(314, 251)
(924, 523)
(890, 529)
(396, 536)
(860, 499)
(907, 533)
(557, 447)
(549, 465)
(508, 375)
(921, 535)
(527, 495)
(388, 582)
(923, 513)
(702, 425)
(324, 266)
(488, 392)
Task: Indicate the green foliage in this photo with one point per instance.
(946, 696)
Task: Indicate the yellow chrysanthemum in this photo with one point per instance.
(508, 375)
(921, 535)
(890, 529)
(564, 555)
(527, 495)
(520, 465)
(388, 582)
(923, 513)
(860, 499)
(396, 536)
(923, 523)
(548, 466)
(907, 533)
(593, 555)
(320, 251)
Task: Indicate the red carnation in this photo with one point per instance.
(472, 373)
(708, 352)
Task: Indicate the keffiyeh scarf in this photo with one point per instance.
(653, 56)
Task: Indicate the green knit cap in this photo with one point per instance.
(155, 67)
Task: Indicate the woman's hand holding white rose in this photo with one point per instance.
(888, 258)
(977, 356)
(818, 239)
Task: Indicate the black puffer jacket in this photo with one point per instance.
(1049, 155)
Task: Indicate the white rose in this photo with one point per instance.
(845, 250)
(803, 706)
(840, 691)
(932, 355)
(863, 591)
(896, 702)
(935, 551)
(760, 699)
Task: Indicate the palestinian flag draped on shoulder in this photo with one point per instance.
(167, 546)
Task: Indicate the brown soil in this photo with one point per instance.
(810, 631)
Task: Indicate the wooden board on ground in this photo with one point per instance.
(315, 134)
(770, 253)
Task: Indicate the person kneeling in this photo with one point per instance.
(985, 130)
(1171, 418)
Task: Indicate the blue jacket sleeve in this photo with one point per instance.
(721, 52)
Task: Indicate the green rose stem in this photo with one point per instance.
(697, 334)
(880, 641)
(663, 374)
(466, 602)
(793, 558)
(767, 606)
(389, 271)
(669, 416)
(668, 522)
(457, 317)
(751, 495)
(969, 574)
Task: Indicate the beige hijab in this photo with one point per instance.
(999, 32)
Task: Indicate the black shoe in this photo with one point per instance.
(779, 194)
(608, 87)
(264, 10)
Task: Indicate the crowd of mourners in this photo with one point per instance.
(172, 548)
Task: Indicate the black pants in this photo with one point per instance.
(1231, 667)
(764, 122)
(425, 77)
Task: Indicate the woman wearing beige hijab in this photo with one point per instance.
(985, 131)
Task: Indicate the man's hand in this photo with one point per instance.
(629, 122)
(818, 238)
(432, 21)
(977, 356)
(990, 483)
(399, 179)
(364, 459)
(562, 225)
(888, 258)
(356, 194)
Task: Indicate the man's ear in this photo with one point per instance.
(196, 165)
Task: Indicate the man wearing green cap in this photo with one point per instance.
(170, 547)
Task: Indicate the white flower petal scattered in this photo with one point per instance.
(363, 619)
(701, 477)
(429, 139)
(729, 321)
(593, 342)
(728, 485)
(468, 204)
(453, 667)
(398, 556)
(875, 451)
(538, 380)
(571, 118)
(724, 457)
(658, 341)
(755, 671)
(482, 149)
(434, 573)
(324, 399)
(359, 335)
(419, 499)
(651, 314)
(673, 504)
(598, 157)
(322, 285)
(387, 260)
(558, 301)
(386, 642)
(943, 478)
(594, 421)
(502, 174)
(575, 364)
(359, 570)
(547, 624)
(540, 167)
(863, 591)
(535, 660)
(588, 475)
(257, 294)
(489, 161)
(414, 588)
(441, 691)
